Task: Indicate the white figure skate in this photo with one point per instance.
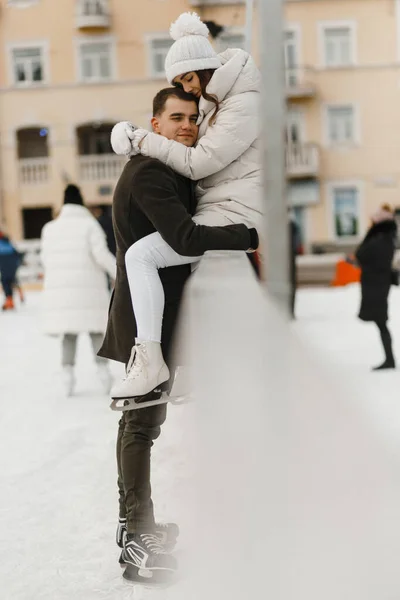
(180, 393)
(145, 373)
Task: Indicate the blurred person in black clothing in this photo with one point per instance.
(375, 257)
(294, 250)
(103, 216)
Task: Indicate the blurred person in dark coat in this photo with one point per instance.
(105, 220)
(294, 250)
(375, 257)
(10, 260)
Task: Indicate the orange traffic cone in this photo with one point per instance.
(345, 274)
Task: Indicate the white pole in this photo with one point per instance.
(249, 25)
(273, 117)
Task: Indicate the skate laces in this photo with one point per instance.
(138, 361)
(121, 532)
(152, 542)
(131, 359)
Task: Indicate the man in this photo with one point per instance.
(151, 197)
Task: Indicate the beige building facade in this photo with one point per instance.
(70, 69)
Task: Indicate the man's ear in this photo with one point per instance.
(155, 125)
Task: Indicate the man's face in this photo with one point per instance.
(177, 121)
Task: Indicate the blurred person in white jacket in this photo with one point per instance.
(76, 262)
(225, 162)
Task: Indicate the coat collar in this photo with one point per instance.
(387, 226)
(237, 75)
(74, 210)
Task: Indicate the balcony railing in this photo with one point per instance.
(298, 84)
(92, 13)
(34, 171)
(101, 167)
(302, 160)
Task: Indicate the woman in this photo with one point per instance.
(76, 263)
(225, 163)
(375, 256)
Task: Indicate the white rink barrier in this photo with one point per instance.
(294, 495)
(312, 269)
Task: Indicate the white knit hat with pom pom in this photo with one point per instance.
(191, 51)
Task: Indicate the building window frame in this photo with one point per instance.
(296, 119)
(295, 29)
(356, 137)
(323, 27)
(149, 39)
(332, 188)
(112, 56)
(43, 46)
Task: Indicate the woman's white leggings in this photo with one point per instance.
(142, 260)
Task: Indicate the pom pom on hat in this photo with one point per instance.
(188, 24)
(191, 50)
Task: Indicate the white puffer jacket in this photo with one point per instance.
(76, 259)
(226, 160)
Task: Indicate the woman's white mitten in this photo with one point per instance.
(138, 136)
(121, 138)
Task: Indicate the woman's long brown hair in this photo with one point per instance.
(205, 77)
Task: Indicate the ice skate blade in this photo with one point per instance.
(155, 578)
(124, 404)
(153, 398)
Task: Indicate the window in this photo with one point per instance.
(32, 142)
(338, 44)
(341, 127)
(346, 211)
(93, 7)
(94, 139)
(34, 219)
(28, 65)
(231, 40)
(294, 126)
(95, 61)
(158, 51)
(291, 57)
